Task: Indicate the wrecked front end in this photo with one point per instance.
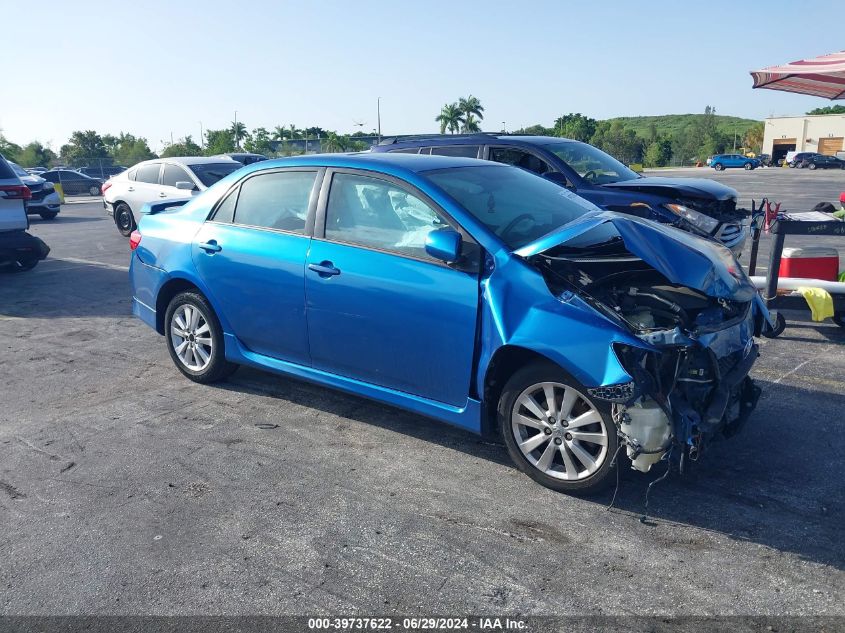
(695, 315)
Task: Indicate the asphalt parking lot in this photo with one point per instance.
(127, 489)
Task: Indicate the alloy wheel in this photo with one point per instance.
(190, 336)
(559, 431)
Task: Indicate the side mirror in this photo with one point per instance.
(444, 244)
(185, 185)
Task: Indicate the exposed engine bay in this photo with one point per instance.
(690, 378)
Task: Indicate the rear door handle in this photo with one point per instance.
(162, 195)
(211, 246)
(131, 189)
(324, 269)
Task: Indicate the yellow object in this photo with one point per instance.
(637, 167)
(820, 302)
(60, 190)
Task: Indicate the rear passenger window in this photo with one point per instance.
(148, 173)
(226, 210)
(465, 151)
(277, 200)
(130, 175)
(409, 150)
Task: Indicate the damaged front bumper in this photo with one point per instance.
(693, 388)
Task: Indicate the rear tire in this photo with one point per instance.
(94, 190)
(195, 339)
(812, 166)
(748, 166)
(48, 215)
(718, 167)
(567, 445)
(124, 220)
(780, 326)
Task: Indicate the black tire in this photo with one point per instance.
(124, 220)
(839, 317)
(23, 265)
(748, 166)
(217, 367)
(718, 166)
(780, 326)
(547, 372)
(812, 165)
(94, 190)
(48, 215)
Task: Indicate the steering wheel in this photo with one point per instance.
(587, 176)
(514, 223)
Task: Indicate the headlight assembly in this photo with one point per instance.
(698, 220)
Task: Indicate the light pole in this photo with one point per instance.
(202, 144)
(378, 113)
(235, 131)
(504, 128)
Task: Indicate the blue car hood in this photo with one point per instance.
(681, 257)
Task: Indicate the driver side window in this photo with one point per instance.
(519, 158)
(377, 213)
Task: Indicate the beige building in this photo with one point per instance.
(817, 133)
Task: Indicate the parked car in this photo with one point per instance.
(18, 249)
(102, 173)
(244, 158)
(152, 180)
(796, 159)
(698, 205)
(822, 161)
(765, 160)
(36, 170)
(45, 199)
(478, 294)
(74, 183)
(725, 161)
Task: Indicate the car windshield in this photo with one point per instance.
(514, 204)
(209, 173)
(592, 164)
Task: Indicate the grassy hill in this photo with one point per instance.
(670, 124)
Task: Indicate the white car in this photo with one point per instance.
(162, 178)
(45, 199)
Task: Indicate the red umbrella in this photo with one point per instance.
(821, 76)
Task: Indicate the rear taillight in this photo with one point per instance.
(134, 239)
(16, 192)
(106, 187)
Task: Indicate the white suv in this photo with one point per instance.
(154, 180)
(18, 249)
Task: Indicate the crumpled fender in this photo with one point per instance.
(518, 309)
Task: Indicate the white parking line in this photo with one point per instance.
(86, 262)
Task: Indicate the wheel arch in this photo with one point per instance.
(170, 289)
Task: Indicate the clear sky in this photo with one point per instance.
(155, 67)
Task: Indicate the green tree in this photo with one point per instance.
(219, 142)
(279, 133)
(84, 148)
(259, 142)
(470, 125)
(238, 132)
(470, 106)
(335, 143)
(34, 154)
(621, 143)
(183, 147)
(658, 153)
(835, 109)
(450, 118)
(9, 150)
(575, 126)
(754, 137)
(130, 149)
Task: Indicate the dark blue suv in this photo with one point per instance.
(698, 205)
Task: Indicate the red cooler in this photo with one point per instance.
(813, 262)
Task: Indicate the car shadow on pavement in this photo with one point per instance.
(64, 219)
(772, 484)
(56, 289)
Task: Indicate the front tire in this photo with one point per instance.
(718, 167)
(195, 339)
(124, 219)
(554, 433)
(94, 190)
(748, 166)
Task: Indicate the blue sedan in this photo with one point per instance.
(474, 293)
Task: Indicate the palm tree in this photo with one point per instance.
(470, 106)
(238, 132)
(335, 143)
(279, 133)
(450, 118)
(470, 124)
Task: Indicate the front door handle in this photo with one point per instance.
(131, 189)
(324, 269)
(211, 246)
(162, 195)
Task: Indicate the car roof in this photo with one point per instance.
(473, 139)
(189, 160)
(414, 163)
